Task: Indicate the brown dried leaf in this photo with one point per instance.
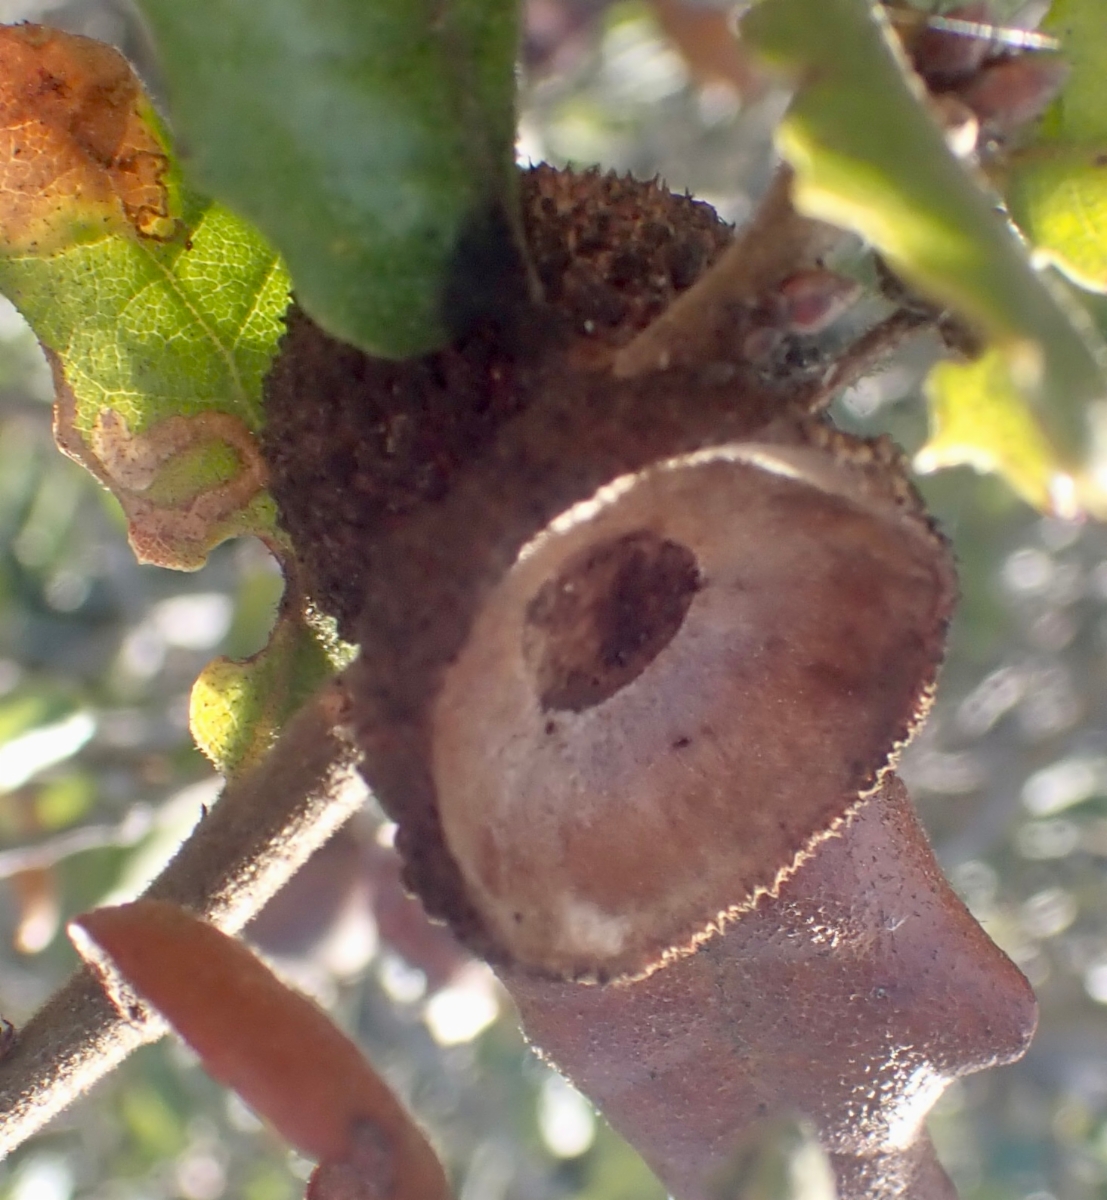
(79, 152)
(280, 1052)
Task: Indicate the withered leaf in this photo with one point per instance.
(280, 1052)
(80, 152)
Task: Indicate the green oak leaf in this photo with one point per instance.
(371, 140)
(1057, 187)
(868, 157)
(237, 709)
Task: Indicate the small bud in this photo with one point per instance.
(813, 300)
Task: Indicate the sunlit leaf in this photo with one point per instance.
(237, 709)
(372, 142)
(159, 309)
(1057, 188)
(1058, 194)
(280, 1052)
(979, 418)
(869, 158)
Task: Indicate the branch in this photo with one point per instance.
(871, 348)
(260, 832)
(696, 327)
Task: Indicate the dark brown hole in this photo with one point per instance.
(606, 617)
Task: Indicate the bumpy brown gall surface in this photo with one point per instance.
(410, 489)
(355, 442)
(612, 252)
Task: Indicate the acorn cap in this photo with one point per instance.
(680, 686)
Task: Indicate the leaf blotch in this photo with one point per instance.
(79, 156)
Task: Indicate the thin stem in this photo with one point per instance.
(695, 327)
(260, 832)
(871, 348)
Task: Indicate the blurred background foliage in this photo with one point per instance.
(98, 779)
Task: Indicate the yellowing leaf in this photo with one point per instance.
(80, 151)
(979, 418)
(237, 709)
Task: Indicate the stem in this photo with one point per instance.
(260, 832)
(695, 328)
(873, 346)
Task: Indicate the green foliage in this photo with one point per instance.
(161, 311)
(978, 417)
(32, 708)
(617, 1172)
(151, 340)
(151, 1122)
(63, 800)
(1057, 188)
(373, 143)
(868, 157)
(154, 328)
(237, 709)
(40, 726)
